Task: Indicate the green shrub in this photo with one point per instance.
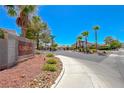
(1, 34)
(54, 47)
(115, 44)
(93, 50)
(80, 49)
(50, 67)
(50, 55)
(92, 47)
(104, 48)
(51, 61)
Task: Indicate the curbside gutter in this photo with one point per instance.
(59, 78)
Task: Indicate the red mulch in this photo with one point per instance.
(22, 73)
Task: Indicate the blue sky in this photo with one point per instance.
(67, 22)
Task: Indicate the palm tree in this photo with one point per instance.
(96, 28)
(79, 39)
(52, 39)
(23, 14)
(85, 34)
(45, 38)
(35, 29)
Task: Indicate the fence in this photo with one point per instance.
(14, 49)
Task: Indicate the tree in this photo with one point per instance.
(79, 39)
(96, 28)
(52, 39)
(85, 34)
(115, 44)
(35, 29)
(112, 43)
(54, 46)
(108, 40)
(23, 13)
(45, 37)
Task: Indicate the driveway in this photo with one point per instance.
(92, 71)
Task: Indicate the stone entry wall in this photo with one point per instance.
(25, 48)
(9, 49)
(12, 49)
(3, 53)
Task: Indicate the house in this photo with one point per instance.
(82, 44)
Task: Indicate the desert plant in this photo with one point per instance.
(50, 55)
(50, 67)
(1, 34)
(92, 47)
(52, 61)
(107, 47)
(93, 50)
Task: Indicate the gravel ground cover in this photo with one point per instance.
(46, 78)
(29, 74)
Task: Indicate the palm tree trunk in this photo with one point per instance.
(23, 32)
(37, 43)
(52, 42)
(37, 40)
(96, 40)
(45, 47)
(76, 45)
(86, 43)
(80, 46)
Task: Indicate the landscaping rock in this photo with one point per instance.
(24, 72)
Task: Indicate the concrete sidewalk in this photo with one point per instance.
(85, 74)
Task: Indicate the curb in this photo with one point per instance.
(59, 78)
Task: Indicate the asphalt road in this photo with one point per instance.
(78, 55)
(104, 71)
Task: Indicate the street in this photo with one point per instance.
(91, 70)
